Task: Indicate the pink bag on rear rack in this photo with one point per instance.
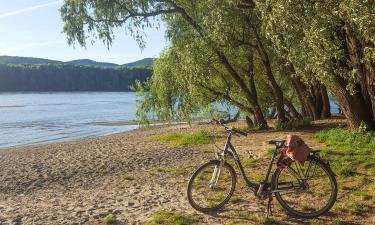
(296, 149)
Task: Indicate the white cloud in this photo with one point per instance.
(20, 11)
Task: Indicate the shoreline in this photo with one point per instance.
(84, 180)
(116, 124)
(128, 175)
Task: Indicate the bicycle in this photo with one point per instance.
(305, 191)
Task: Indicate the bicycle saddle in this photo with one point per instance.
(278, 144)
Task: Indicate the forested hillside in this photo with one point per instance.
(16, 60)
(65, 77)
(89, 62)
(146, 62)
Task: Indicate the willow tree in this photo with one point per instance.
(330, 42)
(208, 20)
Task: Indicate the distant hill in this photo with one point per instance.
(89, 62)
(36, 74)
(16, 60)
(146, 62)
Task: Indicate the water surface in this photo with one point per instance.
(31, 118)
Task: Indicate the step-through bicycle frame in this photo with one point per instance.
(261, 189)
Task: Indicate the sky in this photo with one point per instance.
(33, 28)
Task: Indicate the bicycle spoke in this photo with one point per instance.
(211, 186)
(304, 188)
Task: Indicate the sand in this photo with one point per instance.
(129, 175)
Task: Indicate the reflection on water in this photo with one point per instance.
(30, 118)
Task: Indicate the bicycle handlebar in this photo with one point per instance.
(230, 129)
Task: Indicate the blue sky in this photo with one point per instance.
(33, 28)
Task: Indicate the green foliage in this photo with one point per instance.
(199, 138)
(173, 218)
(110, 219)
(221, 53)
(363, 127)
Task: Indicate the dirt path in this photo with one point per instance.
(129, 175)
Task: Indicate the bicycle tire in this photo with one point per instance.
(226, 199)
(299, 214)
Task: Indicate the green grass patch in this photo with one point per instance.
(189, 139)
(350, 152)
(352, 156)
(235, 199)
(173, 218)
(270, 221)
(110, 219)
(127, 177)
(348, 140)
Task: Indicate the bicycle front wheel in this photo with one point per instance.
(211, 186)
(305, 191)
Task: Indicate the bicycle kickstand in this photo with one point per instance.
(269, 206)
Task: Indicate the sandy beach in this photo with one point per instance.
(129, 175)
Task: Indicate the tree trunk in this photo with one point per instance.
(326, 109)
(249, 122)
(258, 114)
(314, 100)
(355, 49)
(353, 106)
(364, 98)
(292, 109)
(275, 88)
(370, 82)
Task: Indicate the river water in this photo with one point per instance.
(32, 118)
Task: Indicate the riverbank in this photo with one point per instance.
(131, 176)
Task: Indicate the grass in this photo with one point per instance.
(352, 158)
(127, 177)
(351, 153)
(189, 139)
(110, 219)
(245, 218)
(235, 199)
(173, 218)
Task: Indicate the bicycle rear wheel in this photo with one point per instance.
(211, 186)
(305, 191)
